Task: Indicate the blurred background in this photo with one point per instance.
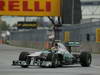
(80, 22)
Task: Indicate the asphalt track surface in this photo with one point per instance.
(9, 53)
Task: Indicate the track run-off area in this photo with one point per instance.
(10, 53)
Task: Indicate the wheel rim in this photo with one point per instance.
(89, 60)
(56, 61)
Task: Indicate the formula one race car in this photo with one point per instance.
(53, 58)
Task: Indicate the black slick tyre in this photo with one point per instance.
(24, 57)
(54, 61)
(85, 59)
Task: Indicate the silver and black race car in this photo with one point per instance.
(53, 58)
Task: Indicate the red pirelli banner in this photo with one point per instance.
(30, 7)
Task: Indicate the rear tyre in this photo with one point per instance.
(24, 57)
(85, 59)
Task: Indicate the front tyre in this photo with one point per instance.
(54, 60)
(25, 60)
(85, 59)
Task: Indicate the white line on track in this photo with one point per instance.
(95, 66)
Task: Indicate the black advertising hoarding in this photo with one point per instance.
(26, 25)
(89, 3)
(71, 11)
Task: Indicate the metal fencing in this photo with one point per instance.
(84, 33)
